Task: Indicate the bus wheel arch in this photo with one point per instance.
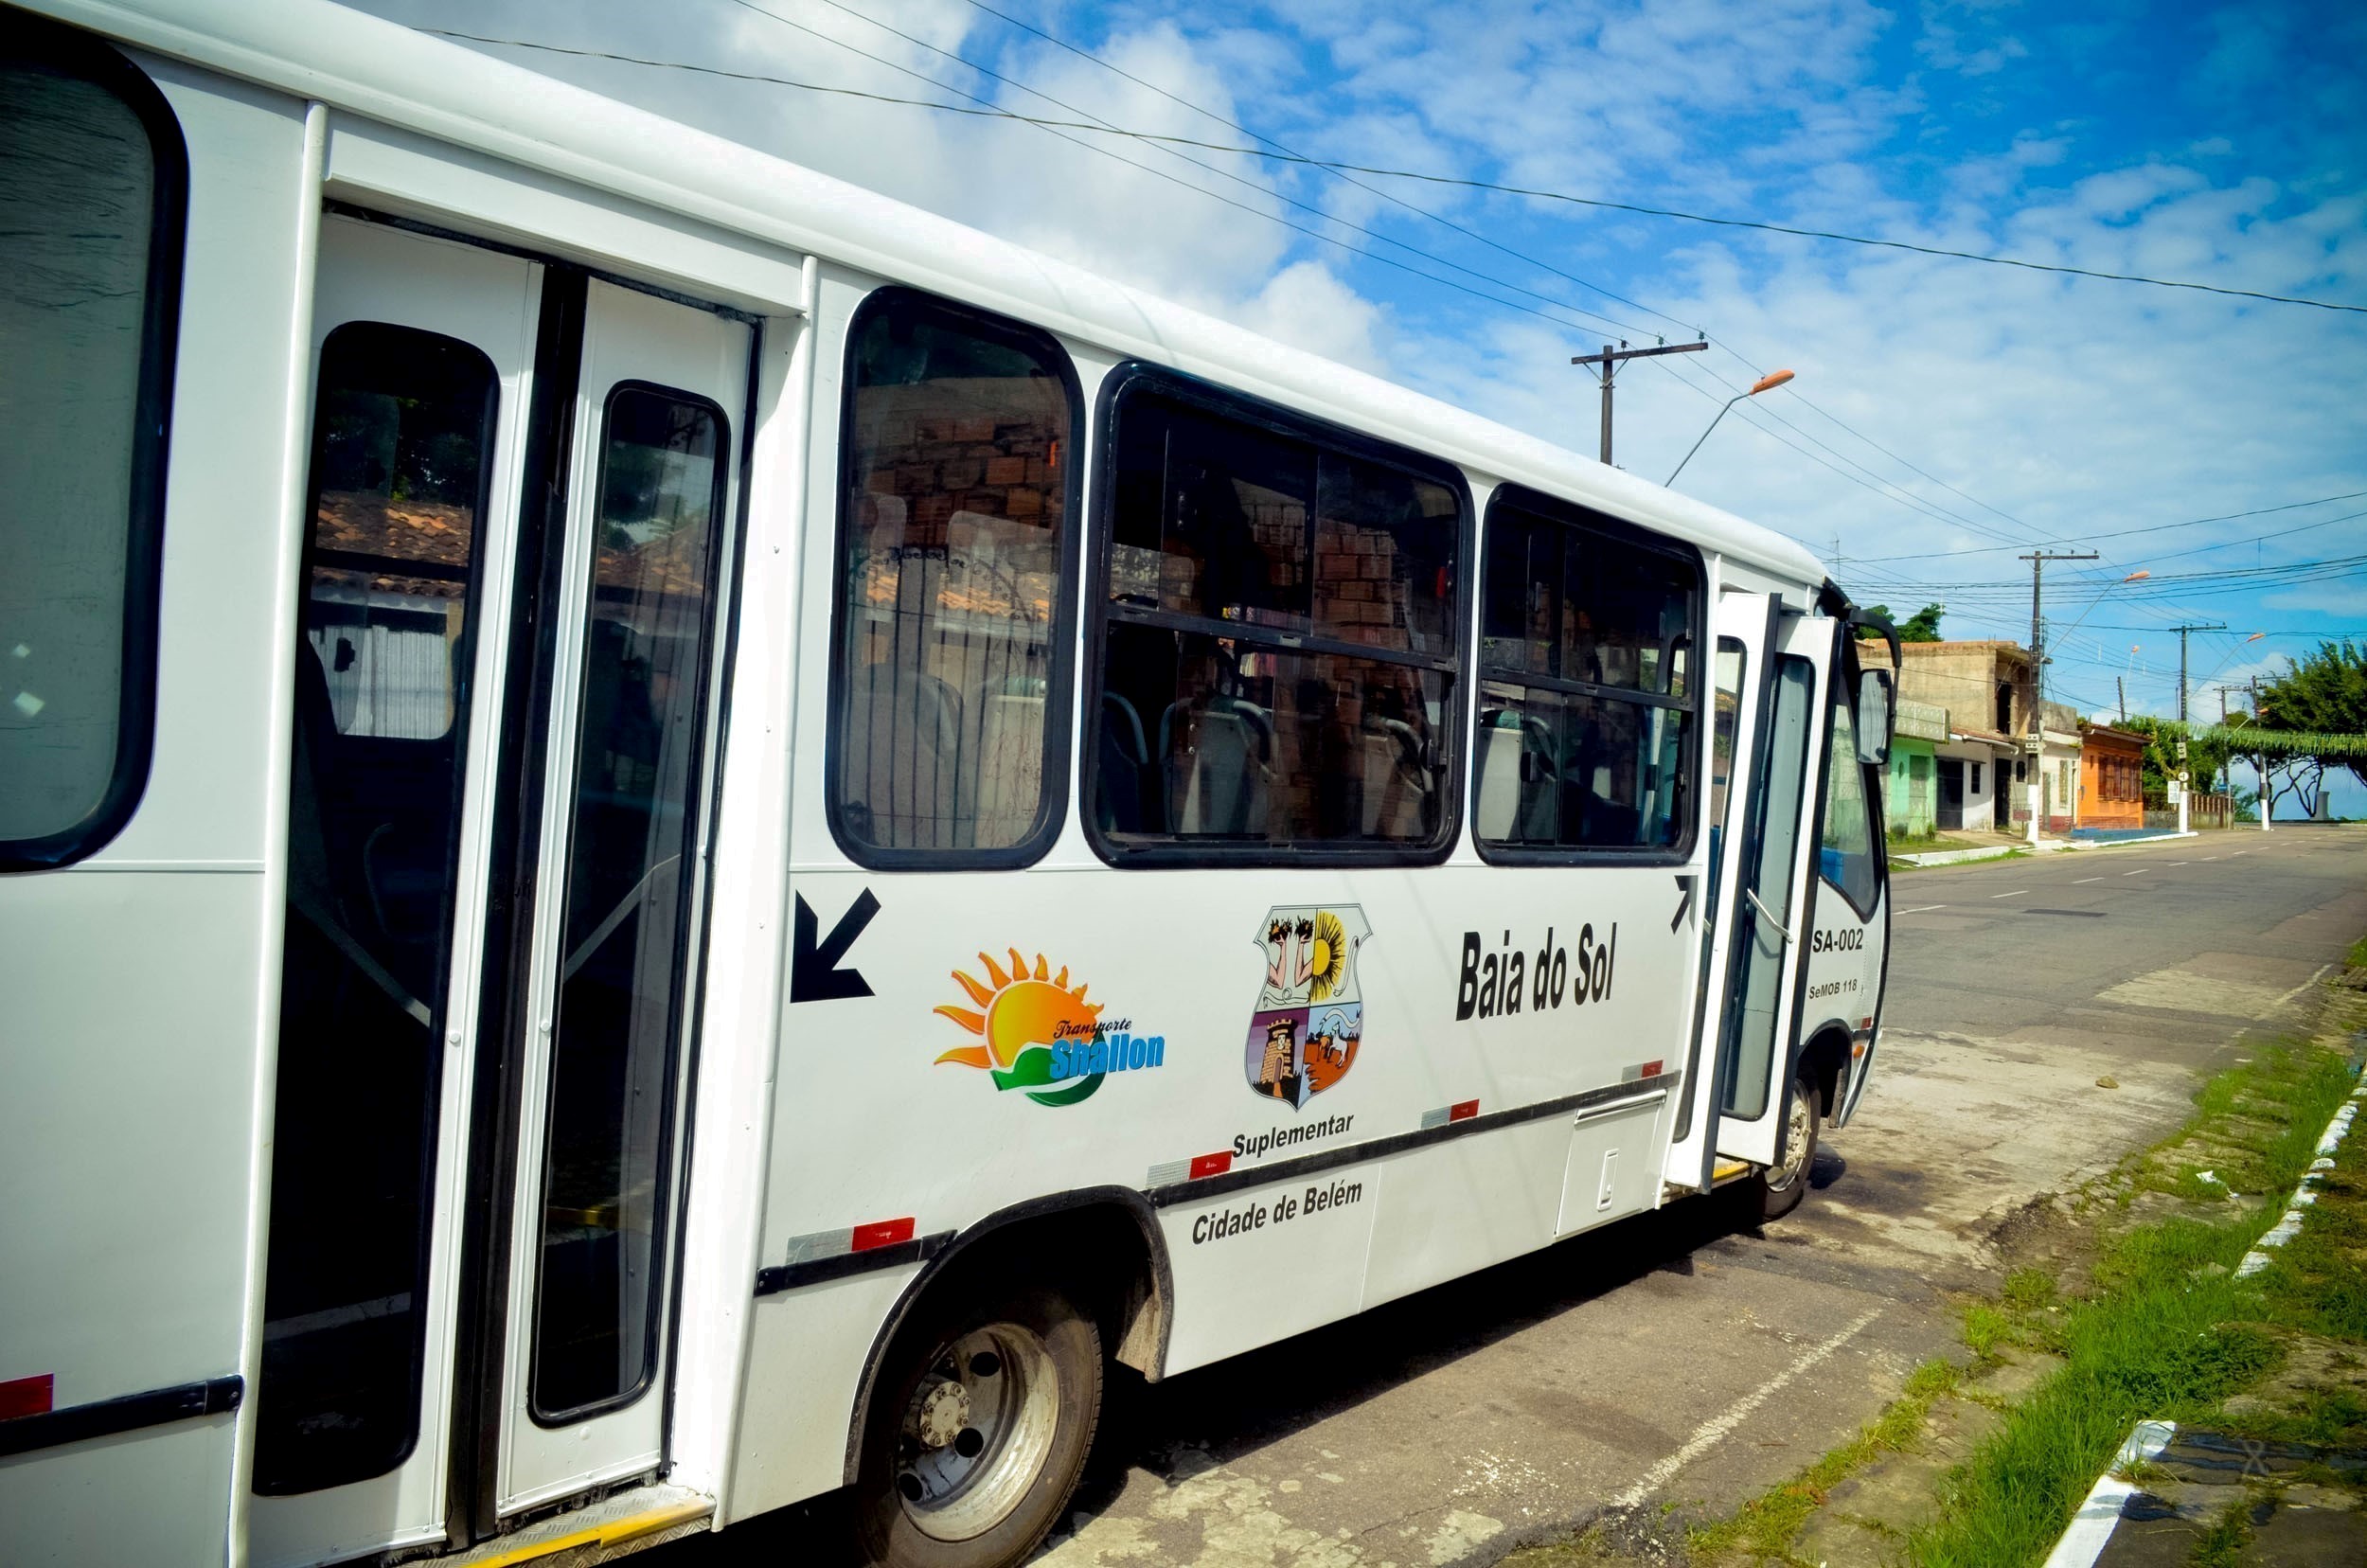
(1104, 1243)
(1823, 1062)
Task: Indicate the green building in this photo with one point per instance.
(1910, 794)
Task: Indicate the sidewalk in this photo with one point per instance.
(2133, 1302)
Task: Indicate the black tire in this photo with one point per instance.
(1782, 1187)
(923, 1499)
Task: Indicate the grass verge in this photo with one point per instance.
(2160, 1329)
(1765, 1527)
(2164, 1333)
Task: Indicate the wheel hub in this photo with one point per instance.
(944, 1412)
(977, 1431)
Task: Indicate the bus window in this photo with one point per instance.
(1847, 857)
(402, 426)
(1587, 713)
(1279, 660)
(947, 744)
(92, 183)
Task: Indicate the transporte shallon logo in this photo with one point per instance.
(1040, 1036)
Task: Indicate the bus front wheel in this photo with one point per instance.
(978, 1431)
(1781, 1186)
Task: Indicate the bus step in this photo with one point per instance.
(598, 1532)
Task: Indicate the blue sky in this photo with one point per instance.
(1947, 416)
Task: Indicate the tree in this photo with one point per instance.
(1923, 626)
(2324, 694)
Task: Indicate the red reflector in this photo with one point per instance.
(880, 1233)
(25, 1396)
(1211, 1164)
(1650, 1069)
(1463, 1111)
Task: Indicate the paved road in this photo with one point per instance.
(1679, 1357)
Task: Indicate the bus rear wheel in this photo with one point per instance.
(978, 1431)
(1781, 1186)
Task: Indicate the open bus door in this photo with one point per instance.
(1766, 922)
(516, 544)
(1742, 628)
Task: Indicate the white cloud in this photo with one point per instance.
(1307, 305)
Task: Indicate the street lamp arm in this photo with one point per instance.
(1768, 382)
(1705, 436)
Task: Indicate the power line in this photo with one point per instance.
(1880, 486)
(2156, 527)
(1227, 174)
(1754, 369)
(1375, 190)
(1052, 128)
(982, 110)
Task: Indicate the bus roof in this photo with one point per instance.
(386, 72)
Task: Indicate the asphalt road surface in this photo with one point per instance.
(1685, 1356)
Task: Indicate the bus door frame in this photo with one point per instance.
(1754, 620)
(1760, 1139)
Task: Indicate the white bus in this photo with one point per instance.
(673, 837)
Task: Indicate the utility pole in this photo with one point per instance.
(2037, 675)
(2120, 689)
(1608, 358)
(2262, 765)
(2181, 630)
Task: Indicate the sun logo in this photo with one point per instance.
(1026, 1021)
(1328, 960)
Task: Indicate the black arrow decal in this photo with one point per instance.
(1684, 885)
(813, 972)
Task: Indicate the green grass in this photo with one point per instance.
(1762, 1531)
(2162, 1333)
(2222, 1545)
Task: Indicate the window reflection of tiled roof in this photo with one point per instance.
(363, 523)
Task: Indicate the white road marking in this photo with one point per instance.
(2013, 893)
(2075, 881)
(1712, 1431)
(2139, 872)
(2181, 863)
(1920, 909)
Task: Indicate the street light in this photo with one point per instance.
(1768, 382)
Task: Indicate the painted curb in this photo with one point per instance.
(2092, 1525)
(2289, 1224)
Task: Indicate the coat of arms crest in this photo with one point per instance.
(1309, 1017)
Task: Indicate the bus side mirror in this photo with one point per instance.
(1874, 709)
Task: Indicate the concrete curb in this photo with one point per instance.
(2289, 1224)
(2044, 846)
(2092, 1527)
(2093, 1524)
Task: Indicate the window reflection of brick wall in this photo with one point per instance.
(1361, 592)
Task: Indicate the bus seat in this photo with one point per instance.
(1499, 773)
(1219, 786)
(1393, 777)
(1125, 754)
(1009, 767)
(904, 756)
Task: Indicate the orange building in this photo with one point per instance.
(2111, 779)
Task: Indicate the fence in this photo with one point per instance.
(2204, 811)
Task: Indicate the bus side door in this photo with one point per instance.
(1768, 917)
